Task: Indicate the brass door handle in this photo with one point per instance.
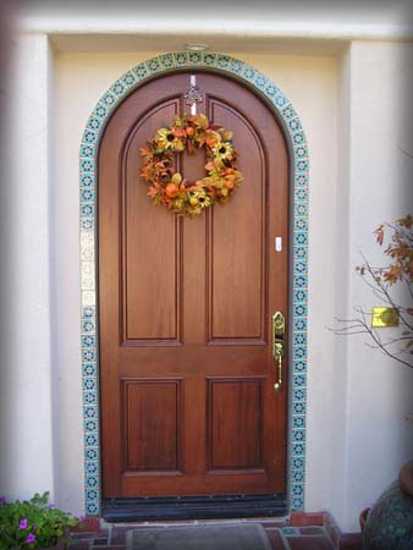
(278, 334)
(278, 363)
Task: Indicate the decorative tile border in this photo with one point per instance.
(290, 121)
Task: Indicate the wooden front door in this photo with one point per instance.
(188, 404)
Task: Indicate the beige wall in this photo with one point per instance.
(380, 183)
(26, 443)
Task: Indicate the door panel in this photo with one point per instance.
(146, 273)
(152, 440)
(187, 399)
(237, 242)
(235, 420)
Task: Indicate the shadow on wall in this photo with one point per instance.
(7, 22)
(404, 187)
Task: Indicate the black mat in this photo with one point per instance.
(200, 537)
(133, 510)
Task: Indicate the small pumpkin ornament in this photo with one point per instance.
(168, 188)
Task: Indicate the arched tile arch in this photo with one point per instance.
(299, 169)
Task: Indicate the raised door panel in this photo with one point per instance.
(151, 281)
(151, 425)
(235, 418)
(236, 243)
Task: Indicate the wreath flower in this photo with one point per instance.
(168, 187)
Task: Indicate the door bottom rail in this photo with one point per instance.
(122, 509)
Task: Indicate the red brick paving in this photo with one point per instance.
(310, 543)
(275, 538)
(351, 541)
(312, 530)
(304, 535)
(300, 519)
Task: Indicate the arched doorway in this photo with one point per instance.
(232, 386)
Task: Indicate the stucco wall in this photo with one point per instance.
(379, 391)
(26, 463)
(352, 108)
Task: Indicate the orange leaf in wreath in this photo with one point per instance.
(179, 132)
(200, 120)
(167, 201)
(226, 134)
(182, 187)
(145, 151)
(212, 139)
(153, 191)
(146, 172)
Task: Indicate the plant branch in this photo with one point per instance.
(387, 295)
(364, 328)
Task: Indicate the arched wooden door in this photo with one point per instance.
(188, 404)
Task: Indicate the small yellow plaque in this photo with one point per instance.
(383, 317)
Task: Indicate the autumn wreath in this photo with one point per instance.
(168, 187)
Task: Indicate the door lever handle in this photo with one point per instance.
(278, 343)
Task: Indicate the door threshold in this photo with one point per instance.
(127, 510)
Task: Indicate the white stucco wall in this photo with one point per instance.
(352, 108)
(379, 438)
(26, 412)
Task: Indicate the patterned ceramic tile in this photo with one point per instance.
(153, 65)
(87, 326)
(89, 137)
(181, 58)
(223, 61)
(89, 369)
(300, 168)
(236, 66)
(209, 59)
(195, 58)
(128, 79)
(87, 150)
(109, 99)
(100, 110)
(298, 421)
(280, 101)
(140, 71)
(89, 384)
(167, 60)
(119, 88)
(299, 394)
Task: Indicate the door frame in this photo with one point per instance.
(298, 269)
